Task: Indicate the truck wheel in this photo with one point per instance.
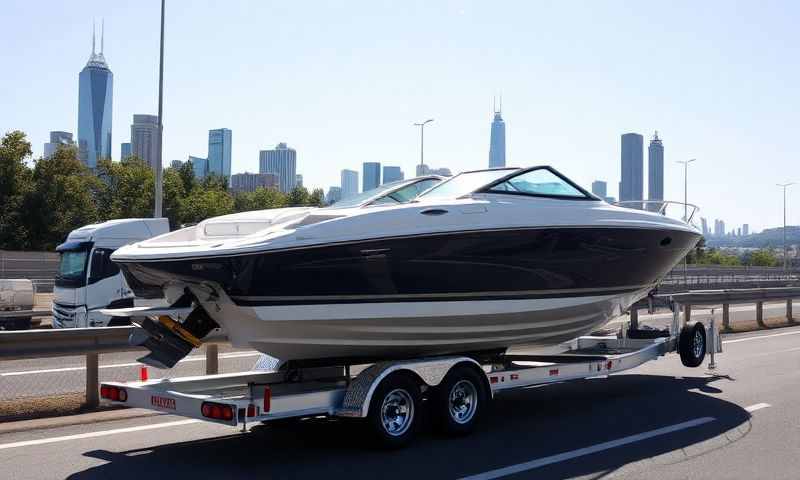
(460, 400)
(692, 344)
(394, 411)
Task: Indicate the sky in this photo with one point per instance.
(342, 83)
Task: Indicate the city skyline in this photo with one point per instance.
(549, 71)
(95, 106)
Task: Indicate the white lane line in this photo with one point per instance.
(561, 457)
(102, 433)
(757, 406)
(196, 358)
(759, 337)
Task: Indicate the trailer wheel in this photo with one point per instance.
(460, 401)
(394, 411)
(692, 344)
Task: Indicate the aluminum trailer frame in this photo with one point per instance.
(237, 399)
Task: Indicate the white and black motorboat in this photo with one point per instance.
(483, 261)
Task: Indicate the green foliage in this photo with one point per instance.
(713, 256)
(128, 188)
(201, 204)
(317, 198)
(763, 258)
(15, 183)
(261, 199)
(298, 196)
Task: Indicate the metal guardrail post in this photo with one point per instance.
(212, 358)
(760, 314)
(789, 311)
(634, 318)
(726, 316)
(687, 314)
(92, 380)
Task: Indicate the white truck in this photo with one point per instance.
(88, 280)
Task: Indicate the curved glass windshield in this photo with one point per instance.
(465, 183)
(407, 193)
(361, 198)
(539, 182)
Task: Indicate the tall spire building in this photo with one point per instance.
(497, 140)
(95, 86)
(655, 171)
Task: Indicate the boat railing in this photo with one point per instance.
(663, 207)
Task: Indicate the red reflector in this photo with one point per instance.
(267, 399)
(227, 413)
(143, 373)
(609, 364)
(493, 379)
(206, 410)
(216, 412)
(113, 394)
(553, 372)
(104, 391)
(251, 410)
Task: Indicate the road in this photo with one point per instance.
(660, 420)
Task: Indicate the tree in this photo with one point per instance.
(763, 258)
(186, 172)
(174, 193)
(128, 188)
(15, 183)
(201, 204)
(298, 197)
(62, 199)
(317, 198)
(261, 199)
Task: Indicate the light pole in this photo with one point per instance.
(686, 187)
(784, 185)
(159, 171)
(422, 140)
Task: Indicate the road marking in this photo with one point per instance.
(758, 337)
(102, 433)
(561, 457)
(196, 358)
(757, 406)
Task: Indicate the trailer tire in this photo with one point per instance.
(692, 344)
(460, 400)
(394, 411)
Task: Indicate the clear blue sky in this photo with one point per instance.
(342, 82)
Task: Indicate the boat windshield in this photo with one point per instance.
(539, 182)
(465, 183)
(363, 197)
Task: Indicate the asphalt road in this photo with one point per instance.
(661, 420)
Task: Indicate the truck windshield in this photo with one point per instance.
(72, 266)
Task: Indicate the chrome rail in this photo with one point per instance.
(662, 207)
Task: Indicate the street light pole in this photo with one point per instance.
(158, 167)
(422, 139)
(686, 187)
(784, 185)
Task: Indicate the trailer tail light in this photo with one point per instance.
(115, 394)
(217, 411)
(251, 410)
(267, 399)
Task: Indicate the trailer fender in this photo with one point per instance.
(430, 371)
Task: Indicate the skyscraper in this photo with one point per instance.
(334, 195)
(282, 161)
(392, 174)
(349, 183)
(249, 182)
(176, 164)
(298, 180)
(372, 175)
(655, 172)
(746, 229)
(144, 138)
(124, 150)
(57, 138)
(704, 226)
(199, 166)
(95, 87)
(632, 175)
(497, 139)
(600, 188)
(219, 152)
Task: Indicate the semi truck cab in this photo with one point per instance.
(88, 280)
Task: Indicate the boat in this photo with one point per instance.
(481, 262)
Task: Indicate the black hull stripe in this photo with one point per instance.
(450, 297)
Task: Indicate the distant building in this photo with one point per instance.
(610, 200)
(426, 170)
(704, 226)
(392, 174)
(144, 138)
(719, 228)
(600, 188)
(746, 229)
(334, 195)
(632, 163)
(298, 180)
(95, 90)
(176, 164)
(199, 166)
(219, 152)
(57, 139)
(739, 232)
(124, 150)
(349, 183)
(655, 172)
(249, 182)
(372, 175)
(497, 139)
(281, 161)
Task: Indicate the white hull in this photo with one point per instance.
(396, 330)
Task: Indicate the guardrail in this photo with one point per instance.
(726, 298)
(90, 342)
